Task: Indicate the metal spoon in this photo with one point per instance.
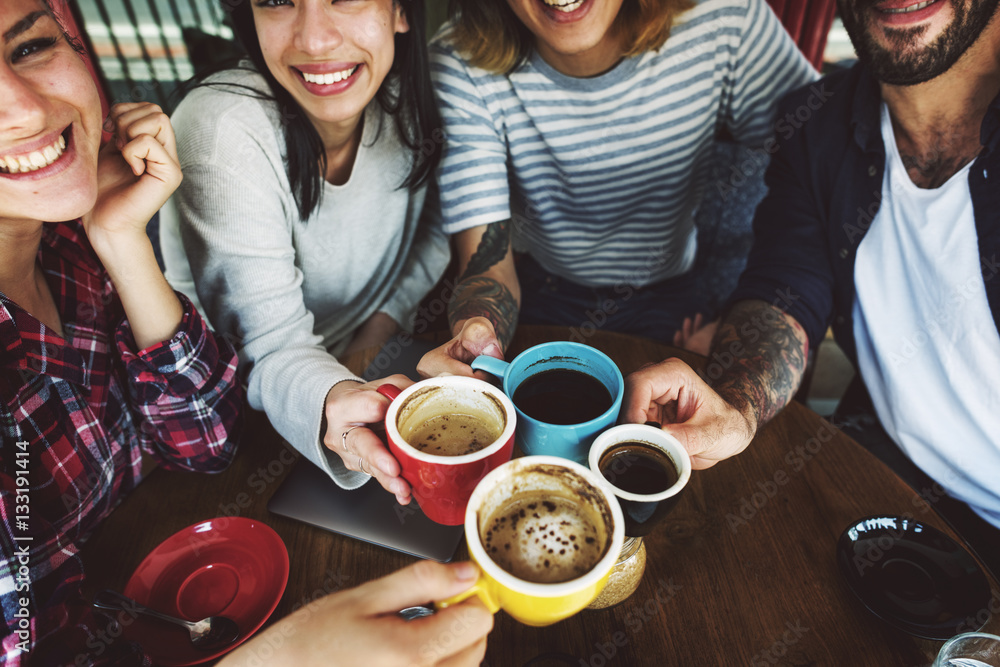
(207, 634)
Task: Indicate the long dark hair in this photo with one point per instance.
(406, 95)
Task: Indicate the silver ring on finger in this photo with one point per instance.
(343, 439)
(361, 465)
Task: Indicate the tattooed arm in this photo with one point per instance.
(769, 351)
(487, 284)
(756, 364)
(483, 311)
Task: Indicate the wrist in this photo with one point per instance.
(338, 383)
(116, 248)
(741, 403)
(329, 398)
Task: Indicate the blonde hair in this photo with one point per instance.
(490, 35)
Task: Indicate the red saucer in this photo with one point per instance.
(229, 566)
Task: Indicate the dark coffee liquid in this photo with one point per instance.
(562, 396)
(638, 468)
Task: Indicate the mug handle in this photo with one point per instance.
(491, 365)
(480, 589)
(390, 391)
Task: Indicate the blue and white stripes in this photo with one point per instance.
(602, 176)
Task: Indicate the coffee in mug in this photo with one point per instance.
(562, 396)
(453, 434)
(543, 538)
(447, 433)
(545, 533)
(638, 467)
(646, 467)
(565, 393)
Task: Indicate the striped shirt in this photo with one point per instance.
(602, 176)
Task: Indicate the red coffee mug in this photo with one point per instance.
(442, 484)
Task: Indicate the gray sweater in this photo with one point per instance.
(291, 292)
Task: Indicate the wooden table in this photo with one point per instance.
(742, 573)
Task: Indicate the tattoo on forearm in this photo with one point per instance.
(765, 355)
(489, 298)
(493, 247)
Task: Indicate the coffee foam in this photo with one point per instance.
(429, 404)
(562, 488)
(453, 435)
(543, 539)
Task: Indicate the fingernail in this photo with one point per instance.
(384, 465)
(466, 571)
(492, 350)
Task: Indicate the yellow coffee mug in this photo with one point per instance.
(530, 602)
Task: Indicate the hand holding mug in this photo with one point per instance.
(477, 337)
(672, 393)
(350, 408)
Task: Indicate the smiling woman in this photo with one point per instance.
(581, 142)
(72, 128)
(102, 362)
(306, 224)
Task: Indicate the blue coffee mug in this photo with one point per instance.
(570, 441)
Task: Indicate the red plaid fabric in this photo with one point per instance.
(75, 416)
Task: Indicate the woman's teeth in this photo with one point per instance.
(911, 8)
(33, 161)
(564, 6)
(327, 79)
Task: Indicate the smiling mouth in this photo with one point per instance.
(564, 5)
(911, 8)
(330, 77)
(35, 160)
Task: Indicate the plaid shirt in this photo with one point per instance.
(75, 416)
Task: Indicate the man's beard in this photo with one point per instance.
(904, 62)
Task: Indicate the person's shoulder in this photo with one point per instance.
(227, 107)
(709, 24)
(446, 58)
(442, 43)
(239, 92)
(721, 12)
(227, 86)
(829, 100)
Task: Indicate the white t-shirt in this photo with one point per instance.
(928, 348)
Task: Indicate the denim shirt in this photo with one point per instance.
(824, 190)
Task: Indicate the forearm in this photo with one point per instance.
(761, 355)
(482, 296)
(487, 286)
(153, 310)
(188, 394)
